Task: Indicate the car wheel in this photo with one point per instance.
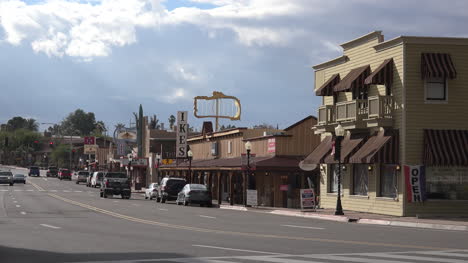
(151, 198)
(11, 184)
(163, 200)
(76, 182)
(100, 194)
(146, 197)
(104, 195)
(158, 199)
(24, 182)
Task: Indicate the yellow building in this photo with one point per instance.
(402, 102)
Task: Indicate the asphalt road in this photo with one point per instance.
(48, 220)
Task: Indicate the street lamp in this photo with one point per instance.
(339, 134)
(190, 155)
(158, 159)
(248, 148)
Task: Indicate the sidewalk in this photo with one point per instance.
(458, 224)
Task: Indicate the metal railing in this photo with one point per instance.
(326, 115)
(381, 107)
(351, 110)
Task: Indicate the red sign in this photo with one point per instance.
(272, 145)
(91, 140)
(284, 187)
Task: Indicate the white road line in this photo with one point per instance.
(45, 179)
(52, 190)
(352, 259)
(18, 206)
(23, 213)
(78, 191)
(66, 191)
(116, 201)
(163, 209)
(236, 249)
(276, 260)
(425, 259)
(306, 227)
(30, 190)
(207, 216)
(136, 204)
(4, 190)
(49, 226)
(443, 253)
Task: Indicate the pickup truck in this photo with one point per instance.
(115, 183)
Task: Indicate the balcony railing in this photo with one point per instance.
(326, 115)
(381, 107)
(351, 110)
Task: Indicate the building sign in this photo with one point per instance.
(252, 197)
(415, 183)
(307, 199)
(90, 149)
(89, 140)
(121, 147)
(284, 187)
(139, 162)
(167, 161)
(182, 132)
(271, 145)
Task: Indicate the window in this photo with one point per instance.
(436, 89)
(229, 147)
(388, 181)
(447, 183)
(333, 181)
(360, 179)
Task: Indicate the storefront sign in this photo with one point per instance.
(307, 199)
(415, 183)
(121, 147)
(90, 149)
(89, 140)
(284, 187)
(271, 145)
(252, 198)
(139, 162)
(182, 132)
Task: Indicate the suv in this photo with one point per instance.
(52, 172)
(115, 183)
(169, 189)
(34, 170)
(64, 174)
(81, 176)
(96, 179)
(6, 178)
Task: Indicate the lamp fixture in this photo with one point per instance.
(370, 167)
(398, 168)
(248, 145)
(190, 153)
(339, 130)
(343, 167)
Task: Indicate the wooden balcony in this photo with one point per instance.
(351, 114)
(380, 111)
(326, 119)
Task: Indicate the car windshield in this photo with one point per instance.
(116, 175)
(83, 173)
(18, 175)
(198, 187)
(172, 183)
(34, 168)
(6, 173)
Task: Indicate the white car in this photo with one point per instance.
(97, 179)
(152, 191)
(81, 176)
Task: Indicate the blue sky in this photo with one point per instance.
(110, 56)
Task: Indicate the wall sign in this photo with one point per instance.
(182, 132)
(415, 177)
(89, 140)
(271, 145)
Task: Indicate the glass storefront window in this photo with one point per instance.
(448, 183)
(388, 181)
(360, 179)
(333, 188)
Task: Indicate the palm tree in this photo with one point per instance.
(171, 120)
(154, 123)
(31, 124)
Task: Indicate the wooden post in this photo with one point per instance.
(220, 189)
(231, 188)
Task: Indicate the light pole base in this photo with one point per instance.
(339, 208)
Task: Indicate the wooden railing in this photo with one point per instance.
(381, 107)
(354, 110)
(326, 115)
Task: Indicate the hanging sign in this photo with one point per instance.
(415, 177)
(182, 132)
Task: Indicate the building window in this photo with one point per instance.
(333, 181)
(388, 181)
(436, 89)
(229, 147)
(447, 183)
(360, 179)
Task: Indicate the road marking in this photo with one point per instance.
(18, 206)
(30, 190)
(45, 179)
(163, 209)
(306, 227)
(207, 216)
(52, 190)
(49, 226)
(66, 191)
(242, 234)
(444, 253)
(236, 249)
(4, 190)
(136, 204)
(78, 191)
(23, 213)
(424, 259)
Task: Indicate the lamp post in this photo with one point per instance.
(248, 148)
(339, 134)
(190, 155)
(158, 159)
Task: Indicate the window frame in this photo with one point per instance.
(394, 181)
(434, 100)
(353, 190)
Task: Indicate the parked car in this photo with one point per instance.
(81, 176)
(6, 177)
(152, 191)
(19, 178)
(196, 194)
(34, 171)
(115, 183)
(64, 174)
(169, 189)
(52, 172)
(96, 180)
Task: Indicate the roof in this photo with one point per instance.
(217, 134)
(267, 136)
(300, 122)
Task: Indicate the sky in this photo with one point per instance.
(110, 56)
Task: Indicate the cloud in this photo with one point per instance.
(183, 72)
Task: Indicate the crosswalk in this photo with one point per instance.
(449, 256)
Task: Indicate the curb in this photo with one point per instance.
(230, 207)
(412, 224)
(314, 216)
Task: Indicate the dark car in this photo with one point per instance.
(64, 174)
(19, 178)
(115, 183)
(196, 194)
(52, 172)
(34, 171)
(169, 189)
(6, 177)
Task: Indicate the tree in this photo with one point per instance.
(172, 120)
(61, 154)
(154, 123)
(79, 123)
(54, 130)
(139, 124)
(31, 124)
(263, 126)
(19, 122)
(21, 143)
(100, 128)
(222, 128)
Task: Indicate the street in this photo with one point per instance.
(48, 220)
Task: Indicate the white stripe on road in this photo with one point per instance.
(352, 259)
(425, 259)
(163, 209)
(275, 260)
(66, 191)
(136, 204)
(207, 216)
(18, 206)
(306, 227)
(23, 213)
(4, 190)
(52, 190)
(45, 179)
(49, 226)
(236, 249)
(78, 191)
(444, 253)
